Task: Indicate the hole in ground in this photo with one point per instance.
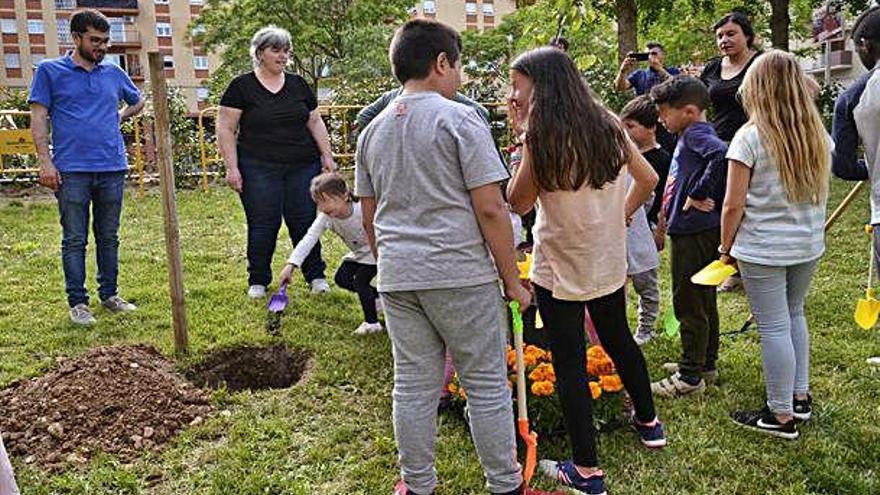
(251, 368)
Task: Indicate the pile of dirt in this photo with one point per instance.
(117, 399)
(252, 368)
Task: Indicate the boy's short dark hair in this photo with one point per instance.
(417, 44)
(641, 110)
(867, 26)
(655, 44)
(681, 90)
(82, 20)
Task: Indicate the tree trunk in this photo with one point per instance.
(627, 19)
(779, 23)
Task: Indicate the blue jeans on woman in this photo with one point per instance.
(102, 191)
(272, 191)
(776, 294)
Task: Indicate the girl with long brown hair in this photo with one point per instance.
(575, 160)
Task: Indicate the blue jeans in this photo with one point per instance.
(103, 192)
(272, 191)
(776, 294)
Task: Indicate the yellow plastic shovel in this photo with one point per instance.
(714, 273)
(868, 309)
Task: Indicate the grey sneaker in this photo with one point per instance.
(320, 286)
(257, 291)
(117, 304)
(82, 315)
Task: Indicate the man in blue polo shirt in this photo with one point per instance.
(80, 96)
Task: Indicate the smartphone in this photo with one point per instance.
(640, 56)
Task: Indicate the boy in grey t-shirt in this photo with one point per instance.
(429, 180)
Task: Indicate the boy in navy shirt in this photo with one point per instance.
(692, 209)
(87, 166)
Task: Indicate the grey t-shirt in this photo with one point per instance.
(419, 159)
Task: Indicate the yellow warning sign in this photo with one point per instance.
(17, 142)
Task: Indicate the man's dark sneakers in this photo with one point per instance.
(766, 422)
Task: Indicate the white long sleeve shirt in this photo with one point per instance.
(350, 230)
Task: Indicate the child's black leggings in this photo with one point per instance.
(356, 277)
(564, 324)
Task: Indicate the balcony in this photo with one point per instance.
(125, 38)
(840, 59)
(128, 7)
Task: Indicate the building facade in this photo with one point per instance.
(466, 15)
(36, 29)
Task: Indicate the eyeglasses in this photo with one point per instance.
(95, 40)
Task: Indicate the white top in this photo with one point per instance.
(774, 231)
(580, 241)
(350, 230)
(641, 251)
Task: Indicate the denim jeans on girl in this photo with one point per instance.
(102, 191)
(776, 294)
(272, 191)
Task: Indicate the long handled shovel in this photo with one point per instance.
(868, 309)
(522, 422)
(828, 223)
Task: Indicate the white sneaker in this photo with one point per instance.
(874, 361)
(117, 304)
(643, 338)
(82, 315)
(320, 286)
(368, 328)
(257, 291)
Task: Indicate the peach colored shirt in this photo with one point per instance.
(580, 241)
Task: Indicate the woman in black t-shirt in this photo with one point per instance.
(281, 144)
(723, 76)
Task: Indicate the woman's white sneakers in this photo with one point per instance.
(368, 328)
(320, 286)
(257, 291)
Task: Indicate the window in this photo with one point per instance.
(65, 4)
(200, 62)
(470, 8)
(429, 7)
(12, 60)
(35, 26)
(196, 2)
(117, 29)
(162, 2)
(36, 58)
(163, 29)
(168, 61)
(8, 26)
(202, 94)
(488, 9)
(63, 28)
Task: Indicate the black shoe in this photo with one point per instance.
(803, 409)
(766, 422)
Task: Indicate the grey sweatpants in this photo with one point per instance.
(647, 286)
(776, 295)
(7, 480)
(469, 322)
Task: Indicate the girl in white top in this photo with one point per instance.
(773, 224)
(339, 213)
(575, 161)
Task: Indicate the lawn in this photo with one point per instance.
(332, 433)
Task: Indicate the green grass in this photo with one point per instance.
(332, 434)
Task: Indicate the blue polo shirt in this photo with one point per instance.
(643, 80)
(84, 113)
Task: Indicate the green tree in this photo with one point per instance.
(343, 39)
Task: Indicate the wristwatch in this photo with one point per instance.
(721, 250)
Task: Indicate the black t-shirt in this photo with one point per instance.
(273, 125)
(729, 113)
(659, 160)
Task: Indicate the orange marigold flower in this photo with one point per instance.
(595, 390)
(611, 383)
(542, 388)
(543, 372)
(452, 388)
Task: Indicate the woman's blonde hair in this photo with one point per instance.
(778, 100)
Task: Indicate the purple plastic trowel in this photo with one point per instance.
(278, 301)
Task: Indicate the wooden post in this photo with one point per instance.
(169, 208)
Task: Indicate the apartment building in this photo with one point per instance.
(466, 15)
(36, 29)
